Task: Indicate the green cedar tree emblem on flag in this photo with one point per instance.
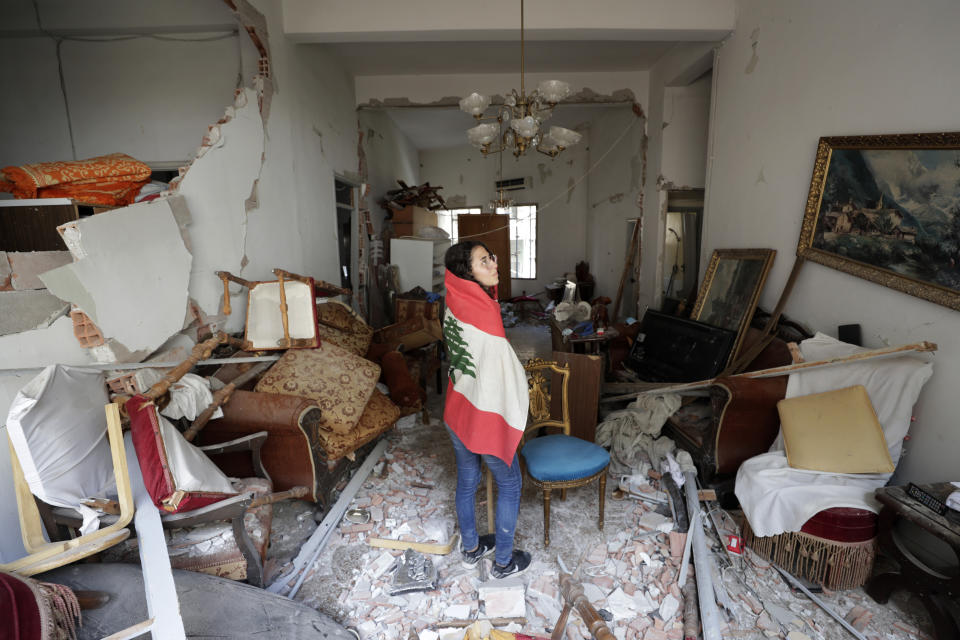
(457, 347)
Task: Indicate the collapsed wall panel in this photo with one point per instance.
(217, 186)
(132, 273)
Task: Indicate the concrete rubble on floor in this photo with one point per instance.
(627, 570)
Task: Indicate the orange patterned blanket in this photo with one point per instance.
(111, 180)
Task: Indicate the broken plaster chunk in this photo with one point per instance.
(593, 593)
(26, 266)
(380, 566)
(457, 612)
(783, 615)
(504, 598)
(366, 629)
(654, 521)
(621, 605)
(668, 607)
(644, 603)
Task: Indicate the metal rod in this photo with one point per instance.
(314, 545)
(123, 366)
(846, 625)
(709, 614)
(522, 92)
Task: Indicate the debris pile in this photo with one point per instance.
(423, 196)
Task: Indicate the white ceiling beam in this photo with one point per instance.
(444, 21)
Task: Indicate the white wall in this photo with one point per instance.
(680, 67)
(467, 176)
(389, 155)
(793, 72)
(147, 97)
(614, 188)
(686, 114)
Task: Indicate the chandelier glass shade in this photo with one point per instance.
(523, 114)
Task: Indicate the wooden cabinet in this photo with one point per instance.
(492, 230)
(420, 261)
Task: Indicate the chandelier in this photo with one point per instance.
(523, 114)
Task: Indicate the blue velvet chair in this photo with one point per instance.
(559, 460)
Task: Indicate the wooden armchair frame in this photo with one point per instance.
(42, 555)
(232, 509)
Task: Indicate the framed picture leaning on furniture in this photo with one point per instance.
(731, 288)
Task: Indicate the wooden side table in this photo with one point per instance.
(935, 589)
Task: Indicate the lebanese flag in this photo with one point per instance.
(487, 399)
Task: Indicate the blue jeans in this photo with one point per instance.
(508, 479)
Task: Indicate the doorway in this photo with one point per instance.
(681, 249)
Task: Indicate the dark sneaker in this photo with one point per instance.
(518, 564)
(484, 548)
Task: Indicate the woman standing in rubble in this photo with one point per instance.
(485, 410)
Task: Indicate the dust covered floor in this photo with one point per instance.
(625, 570)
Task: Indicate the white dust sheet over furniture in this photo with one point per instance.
(131, 274)
(777, 498)
(58, 429)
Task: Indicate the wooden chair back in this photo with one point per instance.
(42, 555)
(545, 379)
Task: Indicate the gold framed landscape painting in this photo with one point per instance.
(886, 208)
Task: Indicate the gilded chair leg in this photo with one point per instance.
(563, 494)
(603, 495)
(546, 517)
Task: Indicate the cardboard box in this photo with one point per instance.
(412, 219)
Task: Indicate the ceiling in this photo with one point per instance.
(444, 127)
(413, 58)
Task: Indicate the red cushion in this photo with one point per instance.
(19, 612)
(154, 464)
(842, 524)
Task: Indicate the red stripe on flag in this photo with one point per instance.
(480, 431)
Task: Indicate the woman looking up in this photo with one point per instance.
(485, 410)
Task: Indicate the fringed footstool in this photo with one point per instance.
(835, 548)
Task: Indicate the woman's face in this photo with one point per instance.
(483, 265)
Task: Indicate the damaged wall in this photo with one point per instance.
(388, 156)
(614, 197)
(468, 180)
(149, 97)
(778, 90)
(261, 196)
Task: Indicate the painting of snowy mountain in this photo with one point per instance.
(891, 215)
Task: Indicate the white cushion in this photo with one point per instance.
(58, 428)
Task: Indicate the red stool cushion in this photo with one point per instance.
(842, 524)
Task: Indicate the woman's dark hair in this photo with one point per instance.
(458, 261)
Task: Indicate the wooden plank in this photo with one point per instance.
(163, 605)
(586, 376)
(697, 388)
(422, 547)
(33, 227)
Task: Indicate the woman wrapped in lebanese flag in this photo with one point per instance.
(485, 410)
